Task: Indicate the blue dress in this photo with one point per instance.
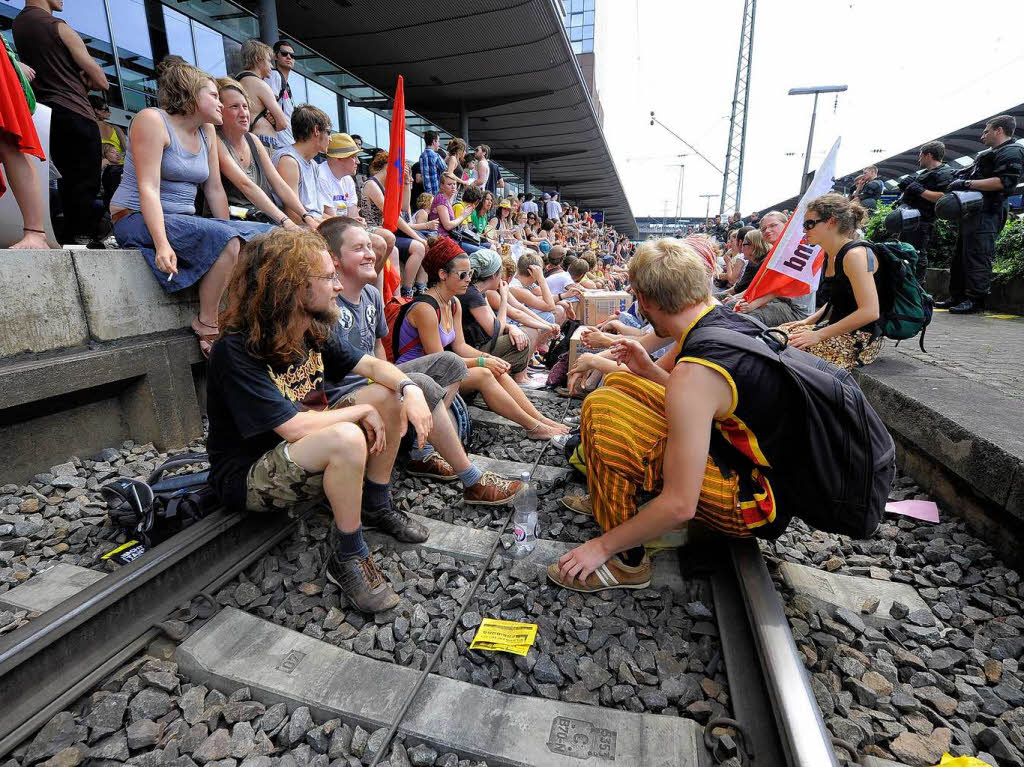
(197, 241)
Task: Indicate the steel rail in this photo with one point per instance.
(797, 718)
(47, 664)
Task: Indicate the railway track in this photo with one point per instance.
(49, 663)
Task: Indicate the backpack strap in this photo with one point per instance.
(400, 318)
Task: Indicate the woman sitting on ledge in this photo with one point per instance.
(173, 151)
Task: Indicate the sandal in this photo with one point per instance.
(206, 334)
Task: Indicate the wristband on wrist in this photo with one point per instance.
(480, 362)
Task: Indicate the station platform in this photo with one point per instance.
(956, 412)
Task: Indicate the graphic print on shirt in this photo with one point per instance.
(303, 383)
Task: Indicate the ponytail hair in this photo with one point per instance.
(849, 215)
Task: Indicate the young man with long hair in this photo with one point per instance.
(274, 441)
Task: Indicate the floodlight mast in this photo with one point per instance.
(816, 90)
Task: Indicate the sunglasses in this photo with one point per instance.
(287, 54)
(810, 223)
(465, 275)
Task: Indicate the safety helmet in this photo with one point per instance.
(902, 221)
(957, 206)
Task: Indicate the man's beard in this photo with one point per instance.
(328, 316)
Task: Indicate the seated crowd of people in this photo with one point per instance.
(329, 336)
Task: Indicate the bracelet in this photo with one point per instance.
(480, 362)
(306, 215)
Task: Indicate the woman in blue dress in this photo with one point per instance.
(173, 152)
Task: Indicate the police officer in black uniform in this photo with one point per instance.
(867, 189)
(995, 173)
(921, 191)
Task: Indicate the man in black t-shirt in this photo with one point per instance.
(922, 191)
(867, 188)
(995, 173)
(273, 440)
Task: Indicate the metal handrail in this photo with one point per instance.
(801, 729)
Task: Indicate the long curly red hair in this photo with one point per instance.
(266, 294)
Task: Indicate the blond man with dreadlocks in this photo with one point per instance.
(273, 441)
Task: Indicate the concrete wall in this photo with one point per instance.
(1007, 292)
(92, 352)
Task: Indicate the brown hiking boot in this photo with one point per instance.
(362, 582)
(397, 524)
(491, 490)
(613, 574)
(581, 504)
(434, 467)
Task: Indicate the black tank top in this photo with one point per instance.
(763, 435)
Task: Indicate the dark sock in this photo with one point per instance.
(632, 557)
(351, 545)
(376, 497)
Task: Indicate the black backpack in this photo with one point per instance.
(557, 349)
(852, 459)
(152, 511)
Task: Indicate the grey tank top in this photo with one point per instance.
(254, 172)
(309, 192)
(181, 174)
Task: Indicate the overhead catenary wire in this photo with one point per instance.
(484, 567)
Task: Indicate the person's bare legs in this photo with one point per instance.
(25, 186)
(523, 401)
(380, 252)
(385, 402)
(339, 451)
(412, 264)
(213, 283)
(501, 402)
(559, 314)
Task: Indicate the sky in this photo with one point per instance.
(915, 70)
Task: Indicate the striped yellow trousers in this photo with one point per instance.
(624, 432)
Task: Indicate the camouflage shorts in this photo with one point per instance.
(276, 483)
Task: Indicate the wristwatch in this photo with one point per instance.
(402, 385)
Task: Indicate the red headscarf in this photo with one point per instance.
(444, 250)
(702, 244)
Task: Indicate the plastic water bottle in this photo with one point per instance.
(525, 519)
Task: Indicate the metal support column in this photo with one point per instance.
(526, 174)
(267, 13)
(464, 122)
(732, 179)
(157, 29)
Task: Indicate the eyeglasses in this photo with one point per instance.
(329, 277)
(810, 223)
(287, 54)
(465, 275)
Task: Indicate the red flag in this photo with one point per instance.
(395, 180)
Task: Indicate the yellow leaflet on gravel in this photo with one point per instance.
(504, 636)
(961, 761)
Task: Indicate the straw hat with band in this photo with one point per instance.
(342, 146)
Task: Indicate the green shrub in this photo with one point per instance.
(1010, 248)
(874, 229)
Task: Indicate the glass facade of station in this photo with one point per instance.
(579, 24)
(209, 34)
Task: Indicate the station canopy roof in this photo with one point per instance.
(509, 63)
(961, 147)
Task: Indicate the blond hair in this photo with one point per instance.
(670, 274)
(254, 53)
(178, 87)
(230, 84)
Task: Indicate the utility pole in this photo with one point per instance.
(707, 211)
(817, 90)
(732, 179)
(679, 190)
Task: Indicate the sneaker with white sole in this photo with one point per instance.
(433, 467)
(613, 574)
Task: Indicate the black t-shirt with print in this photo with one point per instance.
(474, 334)
(247, 399)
